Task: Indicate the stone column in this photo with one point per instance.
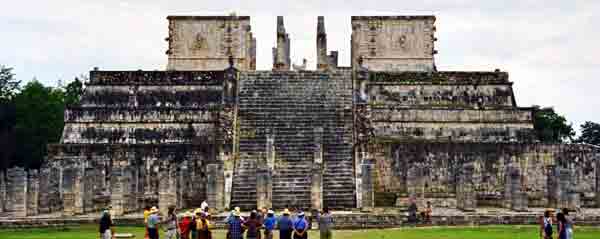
(368, 185)
(515, 198)
(316, 192)
(33, 188)
(264, 177)
(120, 184)
(167, 187)
(552, 186)
(68, 191)
(16, 192)
(215, 185)
(465, 192)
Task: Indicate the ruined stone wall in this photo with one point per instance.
(433, 170)
(292, 123)
(206, 42)
(394, 43)
(443, 106)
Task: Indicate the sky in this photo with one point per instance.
(550, 48)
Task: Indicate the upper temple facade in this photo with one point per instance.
(386, 128)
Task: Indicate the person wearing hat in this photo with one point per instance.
(195, 218)
(269, 224)
(153, 223)
(185, 224)
(106, 225)
(146, 215)
(300, 227)
(203, 226)
(234, 226)
(285, 225)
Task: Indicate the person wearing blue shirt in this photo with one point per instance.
(285, 225)
(269, 224)
(300, 227)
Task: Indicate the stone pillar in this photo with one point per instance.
(281, 53)
(514, 196)
(368, 185)
(316, 193)
(68, 191)
(264, 175)
(120, 184)
(167, 186)
(552, 186)
(33, 189)
(16, 192)
(215, 185)
(465, 193)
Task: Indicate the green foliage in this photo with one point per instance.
(550, 127)
(590, 133)
(9, 86)
(73, 91)
(39, 113)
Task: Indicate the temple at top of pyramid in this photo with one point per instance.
(385, 129)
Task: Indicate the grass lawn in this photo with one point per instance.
(484, 232)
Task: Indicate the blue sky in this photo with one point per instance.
(549, 48)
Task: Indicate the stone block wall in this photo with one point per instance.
(206, 42)
(394, 43)
(15, 201)
(521, 175)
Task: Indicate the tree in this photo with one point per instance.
(590, 133)
(8, 84)
(39, 114)
(551, 127)
(73, 91)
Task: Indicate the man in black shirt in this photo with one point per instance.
(106, 225)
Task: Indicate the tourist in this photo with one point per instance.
(153, 223)
(412, 211)
(269, 224)
(203, 227)
(326, 224)
(252, 226)
(185, 225)
(569, 224)
(106, 225)
(196, 217)
(300, 227)
(146, 215)
(171, 222)
(562, 227)
(428, 211)
(546, 225)
(234, 226)
(285, 225)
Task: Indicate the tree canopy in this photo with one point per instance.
(550, 127)
(590, 133)
(8, 84)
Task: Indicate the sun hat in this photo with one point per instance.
(301, 214)
(153, 210)
(270, 212)
(236, 213)
(237, 209)
(286, 211)
(187, 214)
(198, 211)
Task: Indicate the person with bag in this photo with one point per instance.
(234, 226)
(285, 225)
(153, 223)
(546, 225)
(269, 224)
(301, 227)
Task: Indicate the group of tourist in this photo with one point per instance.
(260, 224)
(563, 222)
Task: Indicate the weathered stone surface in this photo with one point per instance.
(16, 192)
(205, 43)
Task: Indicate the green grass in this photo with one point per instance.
(484, 232)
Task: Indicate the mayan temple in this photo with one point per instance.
(389, 127)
